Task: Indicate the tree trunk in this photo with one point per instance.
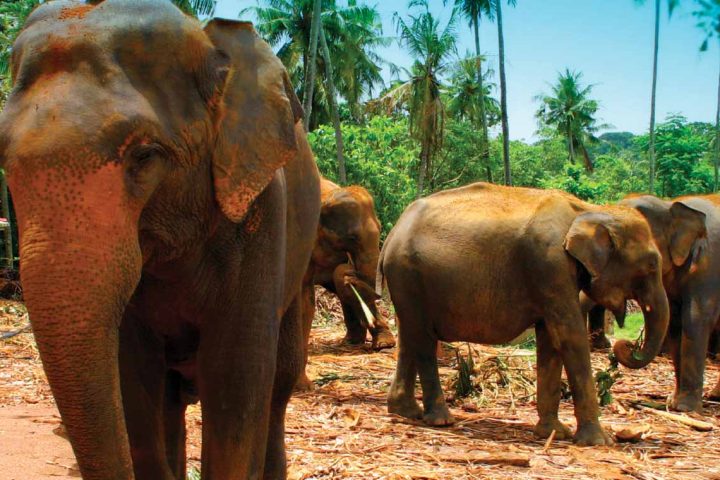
(717, 139)
(333, 107)
(424, 154)
(571, 147)
(485, 149)
(503, 95)
(312, 63)
(6, 213)
(651, 183)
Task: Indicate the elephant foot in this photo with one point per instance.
(383, 339)
(304, 384)
(686, 403)
(600, 342)
(439, 416)
(592, 434)
(354, 340)
(714, 393)
(544, 428)
(407, 408)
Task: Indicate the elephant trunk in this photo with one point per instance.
(366, 266)
(657, 316)
(80, 263)
(75, 314)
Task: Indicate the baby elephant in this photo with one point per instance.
(483, 263)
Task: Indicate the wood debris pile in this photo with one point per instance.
(341, 430)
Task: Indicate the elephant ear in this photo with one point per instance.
(590, 242)
(687, 226)
(256, 110)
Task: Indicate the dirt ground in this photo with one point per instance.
(341, 430)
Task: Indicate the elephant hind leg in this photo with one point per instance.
(290, 365)
(549, 372)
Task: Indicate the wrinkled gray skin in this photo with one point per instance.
(687, 232)
(482, 263)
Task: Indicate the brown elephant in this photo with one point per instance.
(687, 233)
(346, 253)
(164, 166)
(482, 263)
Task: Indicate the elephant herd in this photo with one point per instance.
(164, 164)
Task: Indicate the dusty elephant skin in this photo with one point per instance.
(687, 233)
(348, 228)
(482, 263)
(164, 165)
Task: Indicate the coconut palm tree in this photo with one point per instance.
(353, 34)
(470, 99)
(503, 88)
(473, 10)
(708, 15)
(432, 47)
(570, 110)
(671, 4)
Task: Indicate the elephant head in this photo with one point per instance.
(127, 117)
(620, 261)
(348, 224)
(678, 230)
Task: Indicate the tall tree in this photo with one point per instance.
(470, 99)
(431, 47)
(671, 4)
(311, 65)
(473, 10)
(503, 89)
(571, 112)
(329, 81)
(708, 15)
(353, 34)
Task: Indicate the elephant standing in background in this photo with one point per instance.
(482, 263)
(346, 253)
(687, 232)
(164, 165)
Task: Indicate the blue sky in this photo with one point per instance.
(610, 41)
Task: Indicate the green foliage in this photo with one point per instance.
(605, 379)
(380, 156)
(12, 17)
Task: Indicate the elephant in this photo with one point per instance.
(687, 233)
(482, 263)
(345, 254)
(165, 165)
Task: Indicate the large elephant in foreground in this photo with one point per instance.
(483, 263)
(162, 167)
(687, 233)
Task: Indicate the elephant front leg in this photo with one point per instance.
(697, 323)
(570, 338)
(549, 373)
(142, 379)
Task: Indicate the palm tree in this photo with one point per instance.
(708, 15)
(503, 89)
(651, 149)
(473, 11)
(422, 36)
(470, 99)
(311, 66)
(571, 111)
(353, 34)
(333, 106)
